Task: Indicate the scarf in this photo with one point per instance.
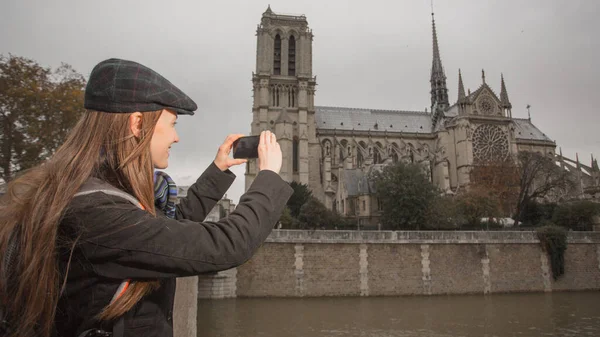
(165, 193)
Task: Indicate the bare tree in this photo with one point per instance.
(500, 181)
(540, 178)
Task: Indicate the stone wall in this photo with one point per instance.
(384, 263)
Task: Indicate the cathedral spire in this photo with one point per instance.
(504, 97)
(437, 60)
(439, 90)
(461, 88)
(504, 94)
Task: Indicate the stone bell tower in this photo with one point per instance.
(284, 89)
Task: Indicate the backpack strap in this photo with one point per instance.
(94, 185)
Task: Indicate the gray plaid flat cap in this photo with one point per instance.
(125, 86)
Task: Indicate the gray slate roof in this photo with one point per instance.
(357, 181)
(524, 129)
(351, 179)
(330, 118)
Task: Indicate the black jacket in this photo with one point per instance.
(120, 241)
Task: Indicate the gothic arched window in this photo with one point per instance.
(275, 94)
(411, 153)
(277, 56)
(377, 154)
(291, 96)
(295, 145)
(343, 155)
(359, 156)
(326, 148)
(292, 56)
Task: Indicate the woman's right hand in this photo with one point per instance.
(269, 153)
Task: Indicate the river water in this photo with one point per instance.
(556, 314)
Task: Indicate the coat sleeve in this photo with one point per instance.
(121, 241)
(203, 195)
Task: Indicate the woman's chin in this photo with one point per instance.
(161, 166)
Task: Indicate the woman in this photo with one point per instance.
(93, 262)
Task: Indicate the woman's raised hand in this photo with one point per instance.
(269, 153)
(222, 159)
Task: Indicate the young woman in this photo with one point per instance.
(94, 255)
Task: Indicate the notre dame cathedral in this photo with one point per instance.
(333, 149)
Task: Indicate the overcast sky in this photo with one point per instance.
(366, 54)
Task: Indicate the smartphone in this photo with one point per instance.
(246, 147)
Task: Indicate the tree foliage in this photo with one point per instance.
(534, 213)
(313, 214)
(444, 213)
(286, 219)
(38, 107)
(576, 215)
(406, 194)
(478, 203)
(302, 194)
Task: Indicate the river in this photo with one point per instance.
(555, 314)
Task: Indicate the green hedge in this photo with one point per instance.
(577, 215)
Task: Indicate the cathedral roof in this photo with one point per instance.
(452, 111)
(330, 118)
(357, 181)
(524, 129)
(351, 179)
(473, 96)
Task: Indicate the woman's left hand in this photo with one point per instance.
(222, 160)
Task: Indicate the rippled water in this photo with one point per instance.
(558, 314)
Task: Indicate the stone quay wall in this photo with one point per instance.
(294, 263)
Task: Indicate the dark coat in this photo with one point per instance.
(120, 241)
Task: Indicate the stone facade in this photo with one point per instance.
(334, 149)
(351, 263)
(284, 89)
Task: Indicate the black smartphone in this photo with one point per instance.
(246, 147)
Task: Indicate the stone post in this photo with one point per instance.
(185, 308)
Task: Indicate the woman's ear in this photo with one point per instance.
(135, 123)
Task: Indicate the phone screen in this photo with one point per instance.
(246, 147)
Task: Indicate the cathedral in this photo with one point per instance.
(333, 150)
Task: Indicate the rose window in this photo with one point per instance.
(489, 143)
(486, 105)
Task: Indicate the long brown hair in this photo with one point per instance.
(100, 145)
